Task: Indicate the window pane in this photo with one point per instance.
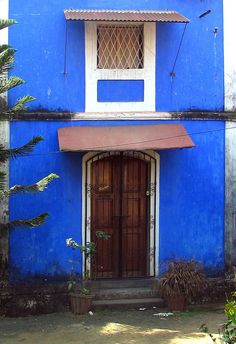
(120, 47)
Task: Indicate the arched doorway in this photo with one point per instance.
(120, 198)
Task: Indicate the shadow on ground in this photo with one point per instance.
(113, 327)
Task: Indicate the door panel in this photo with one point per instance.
(119, 206)
(134, 211)
(103, 208)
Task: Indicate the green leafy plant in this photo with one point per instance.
(7, 113)
(227, 332)
(88, 251)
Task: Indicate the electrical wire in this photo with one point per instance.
(137, 142)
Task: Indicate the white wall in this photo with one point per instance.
(4, 139)
(230, 54)
(4, 125)
(230, 194)
(4, 8)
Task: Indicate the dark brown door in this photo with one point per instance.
(120, 207)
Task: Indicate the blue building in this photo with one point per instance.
(135, 109)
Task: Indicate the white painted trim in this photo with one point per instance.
(92, 74)
(4, 14)
(154, 209)
(229, 9)
(85, 199)
(154, 265)
(122, 115)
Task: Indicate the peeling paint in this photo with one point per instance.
(229, 54)
(230, 194)
(4, 167)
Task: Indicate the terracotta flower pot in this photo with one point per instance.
(176, 303)
(80, 303)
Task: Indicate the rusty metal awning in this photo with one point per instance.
(125, 16)
(120, 138)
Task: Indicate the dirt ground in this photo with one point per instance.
(113, 327)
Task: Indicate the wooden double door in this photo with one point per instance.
(120, 207)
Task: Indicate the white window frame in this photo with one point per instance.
(132, 59)
(93, 74)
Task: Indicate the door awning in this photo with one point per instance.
(125, 16)
(120, 138)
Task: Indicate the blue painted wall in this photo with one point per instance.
(191, 200)
(40, 39)
(120, 90)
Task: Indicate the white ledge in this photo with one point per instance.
(121, 115)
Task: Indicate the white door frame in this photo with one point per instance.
(154, 207)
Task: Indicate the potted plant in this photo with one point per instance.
(80, 295)
(182, 283)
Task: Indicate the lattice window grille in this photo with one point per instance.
(120, 47)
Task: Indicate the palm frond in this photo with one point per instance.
(4, 47)
(5, 154)
(41, 185)
(2, 181)
(27, 148)
(8, 84)
(29, 223)
(21, 104)
(6, 23)
(6, 59)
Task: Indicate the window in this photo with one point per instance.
(120, 47)
(120, 67)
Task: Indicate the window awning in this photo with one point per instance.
(125, 16)
(120, 138)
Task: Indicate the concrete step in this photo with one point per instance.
(123, 283)
(124, 293)
(147, 303)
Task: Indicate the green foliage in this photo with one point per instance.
(227, 332)
(2, 179)
(26, 149)
(34, 222)
(6, 60)
(41, 185)
(6, 84)
(230, 309)
(20, 105)
(6, 22)
(7, 113)
(88, 251)
(7, 54)
(71, 285)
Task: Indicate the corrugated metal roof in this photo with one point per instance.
(126, 16)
